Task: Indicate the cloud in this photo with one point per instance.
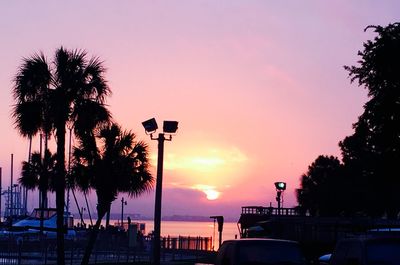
(203, 159)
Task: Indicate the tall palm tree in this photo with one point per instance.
(119, 164)
(48, 96)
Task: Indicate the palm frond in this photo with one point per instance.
(30, 85)
(95, 83)
(32, 79)
(80, 177)
(121, 166)
(29, 179)
(88, 115)
(28, 118)
(39, 172)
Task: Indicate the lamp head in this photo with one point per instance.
(150, 126)
(281, 186)
(170, 126)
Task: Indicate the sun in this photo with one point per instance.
(210, 191)
(211, 194)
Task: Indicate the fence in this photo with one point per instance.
(259, 210)
(19, 250)
(110, 247)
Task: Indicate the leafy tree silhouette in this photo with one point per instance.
(368, 183)
(377, 159)
(50, 96)
(39, 173)
(317, 194)
(117, 164)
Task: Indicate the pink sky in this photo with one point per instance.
(258, 87)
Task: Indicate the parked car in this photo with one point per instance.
(370, 249)
(259, 251)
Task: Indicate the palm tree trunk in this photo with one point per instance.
(43, 184)
(42, 207)
(26, 190)
(108, 218)
(60, 189)
(92, 239)
(41, 155)
(88, 209)
(45, 166)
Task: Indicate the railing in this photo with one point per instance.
(260, 210)
(15, 250)
(109, 248)
(187, 243)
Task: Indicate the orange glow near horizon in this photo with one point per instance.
(210, 167)
(215, 169)
(203, 159)
(257, 99)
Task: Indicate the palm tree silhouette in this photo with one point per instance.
(48, 96)
(119, 164)
(39, 173)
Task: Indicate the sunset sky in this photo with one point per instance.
(258, 87)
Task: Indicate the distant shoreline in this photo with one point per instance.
(182, 218)
(188, 218)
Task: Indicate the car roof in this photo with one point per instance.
(385, 230)
(374, 237)
(260, 240)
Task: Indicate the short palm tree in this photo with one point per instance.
(39, 173)
(119, 164)
(48, 96)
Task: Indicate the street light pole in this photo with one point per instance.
(169, 127)
(157, 209)
(279, 199)
(280, 188)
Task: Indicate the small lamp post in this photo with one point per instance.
(280, 188)
(169, 128)
(123, 202)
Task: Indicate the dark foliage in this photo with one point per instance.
(48, 96)
(117, 164)
(320, 186)
(371, 155)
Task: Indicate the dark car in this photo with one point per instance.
(260, 251)
(376, 249)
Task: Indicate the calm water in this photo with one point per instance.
(204, 229)
(183, 228)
